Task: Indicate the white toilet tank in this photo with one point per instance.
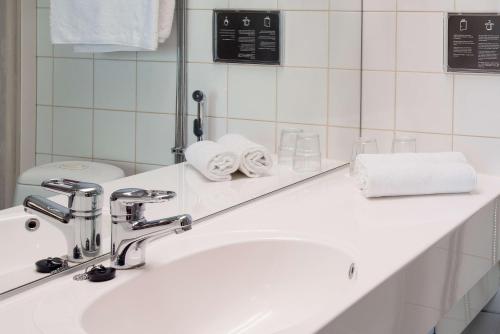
(29, 182)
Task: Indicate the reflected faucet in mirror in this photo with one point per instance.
(80, 221)
(131, 231)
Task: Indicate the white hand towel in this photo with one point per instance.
(212, 160)
(114, 25)
(166, 19)
(387, 175)
(255, 159)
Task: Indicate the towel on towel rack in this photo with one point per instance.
(111, 25)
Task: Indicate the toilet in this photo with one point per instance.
(29, 182)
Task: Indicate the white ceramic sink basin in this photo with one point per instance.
(20, 249)
(263, 286)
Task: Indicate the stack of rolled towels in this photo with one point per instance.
(218, 160)
(380, 175)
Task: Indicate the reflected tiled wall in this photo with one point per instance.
(120, 108)
(406, 90)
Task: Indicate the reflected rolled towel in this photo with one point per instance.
(255, 159)
(213, 160)
(414, 174)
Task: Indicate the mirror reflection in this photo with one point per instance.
(90, 120)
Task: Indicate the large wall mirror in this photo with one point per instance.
(114, 118)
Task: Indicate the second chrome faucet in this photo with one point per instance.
(131, 231)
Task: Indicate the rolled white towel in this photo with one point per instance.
(389, 176)
(255, 159)
(213, 160)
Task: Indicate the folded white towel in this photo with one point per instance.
(414, 174)
(255, 159)
(106, 26)
(213, 160)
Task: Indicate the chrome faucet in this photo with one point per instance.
(130, 231)
(80, 221)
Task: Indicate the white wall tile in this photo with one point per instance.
(72, 132)
(156, 87)
(44, 46)
(344, 97)
(302, 95)
(254, 4)
(155, 138)
(247, 82)
(424, 102)
(61, 158)
(379, 94)
(340, 142)
(114, 135)
(207, 4)
(127, 55)
(379, 5)
(305, 38)
(43, 3)
(143, 168)
(43, 129)
(345, 40)
(426, 5)
(200, 31)
(44, 69)
(477, 5)
(73, 82)
(482, 153)
(379, 41)
(115, 84)
(477, 99)
(263, 133)
(420, 42)
(212, 80)
(304, 4)
(354, 5)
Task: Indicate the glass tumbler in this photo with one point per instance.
(402, 144)
(362, 146)
(307, 156)
(288, 143)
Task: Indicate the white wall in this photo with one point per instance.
(406, 90)
(120, 107)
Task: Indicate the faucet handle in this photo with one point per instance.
(83, 196)
(130, 202)
(141, 196)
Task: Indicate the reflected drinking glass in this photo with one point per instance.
(288, 143)
(307, 156)
(362, 146)
(402, 144)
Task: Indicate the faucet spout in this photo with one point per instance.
(131, 232)
(80, 222)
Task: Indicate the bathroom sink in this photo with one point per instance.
(262, 286)
(18, 263)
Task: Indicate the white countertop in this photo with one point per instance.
(382, 235)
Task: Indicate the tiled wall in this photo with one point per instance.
(120, 108)
(407, 91)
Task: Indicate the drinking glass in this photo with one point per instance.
(403, 144)
(363, 145)
(307, 156)
(288, 143)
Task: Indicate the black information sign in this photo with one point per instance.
(251, 37)
(474, 42)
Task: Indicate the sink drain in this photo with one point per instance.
(32, 224)
(352, 271)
